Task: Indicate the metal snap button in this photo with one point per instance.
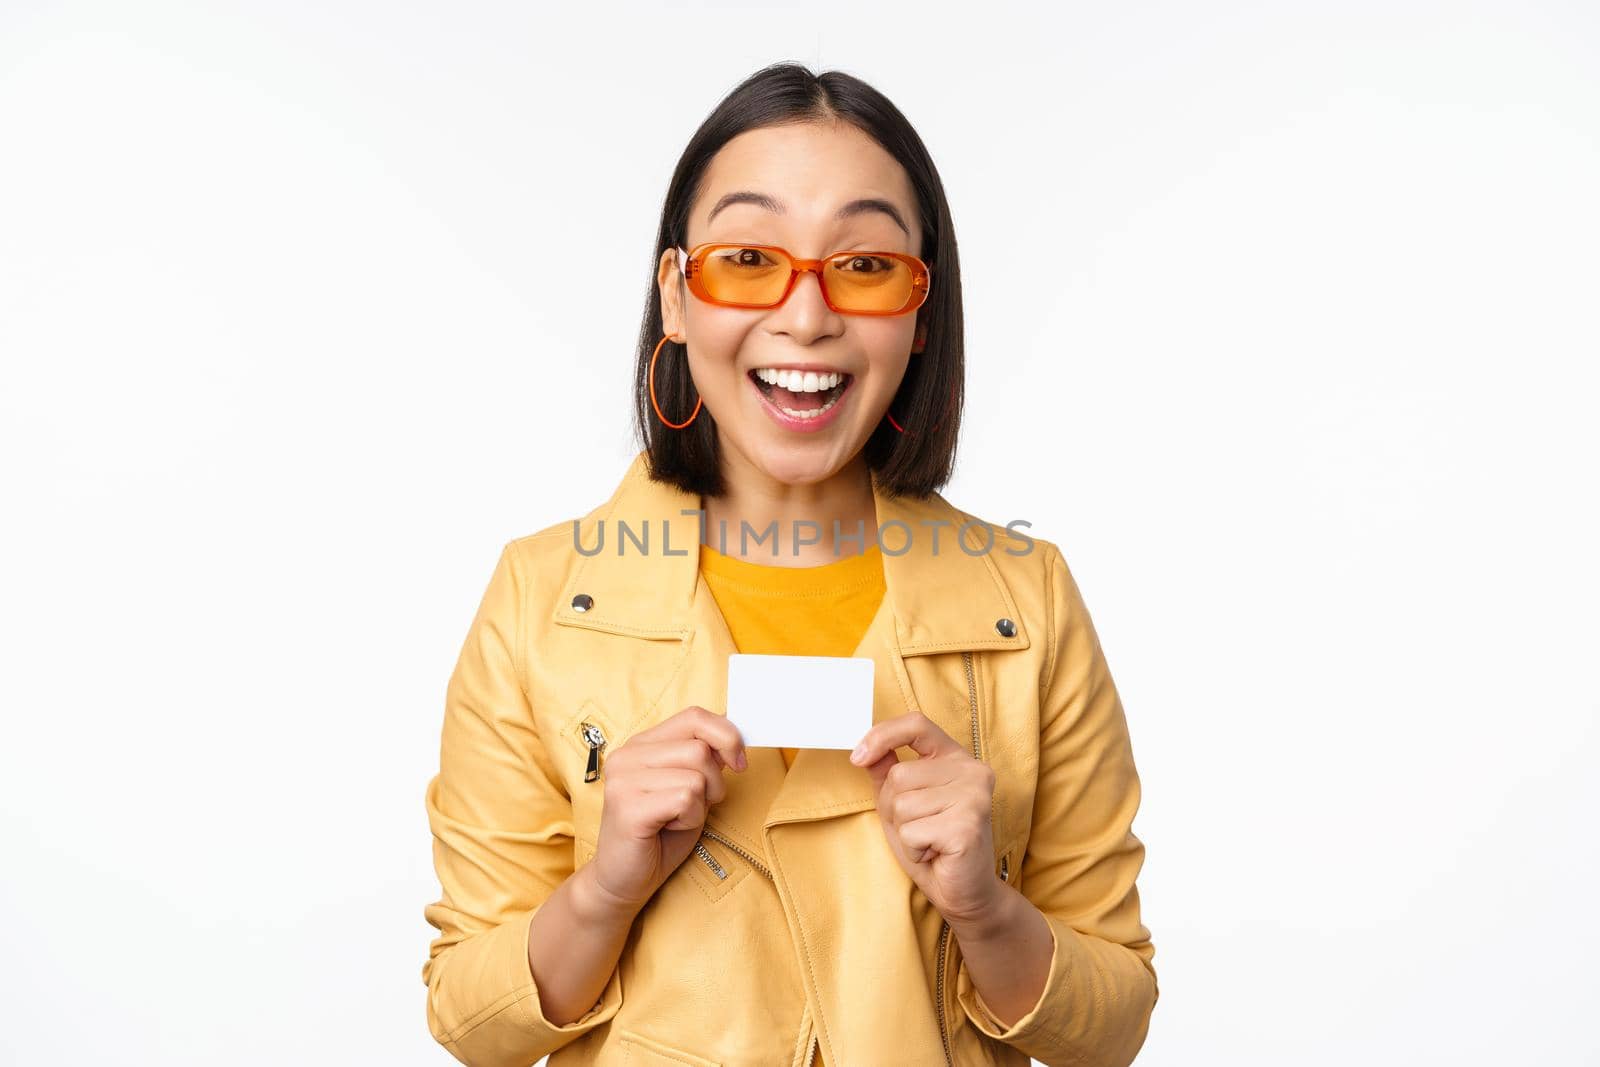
(1006, 627)
(582, 602)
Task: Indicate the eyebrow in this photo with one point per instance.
(861, 206)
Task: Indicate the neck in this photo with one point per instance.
(758, 505)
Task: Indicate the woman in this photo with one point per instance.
(624, 881)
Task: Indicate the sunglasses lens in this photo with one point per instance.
(856, 281)
(745, 275)
(864, 282)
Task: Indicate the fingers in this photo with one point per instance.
(924, 839)
(715, 730)
(912, 729)
(689, 752)
(879, 771)
(929, 800)
(918, 804)
(670, 798)
(928, 826)
(905, 775)
(912, 773)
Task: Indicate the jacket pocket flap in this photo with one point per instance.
(648, 1052)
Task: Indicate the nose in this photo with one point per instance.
(805, 315)
(813, 279)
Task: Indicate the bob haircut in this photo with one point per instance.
(928, 403)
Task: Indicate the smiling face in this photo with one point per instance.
(813, 189)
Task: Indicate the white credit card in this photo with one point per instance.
(800, 701)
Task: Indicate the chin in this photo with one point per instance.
(796, 463)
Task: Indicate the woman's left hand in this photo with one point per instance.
(935, 813)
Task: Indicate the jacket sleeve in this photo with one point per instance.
(502, 843)
(1081, 860)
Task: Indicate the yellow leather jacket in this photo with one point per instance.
(570, 654)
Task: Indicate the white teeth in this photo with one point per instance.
(799, 381)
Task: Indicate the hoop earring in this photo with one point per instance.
(890, 415)
(653, 403)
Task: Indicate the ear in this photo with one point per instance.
(669, 280)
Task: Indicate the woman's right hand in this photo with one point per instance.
(659, 785)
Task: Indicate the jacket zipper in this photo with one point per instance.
(595, 738)
(717, 868)
(972, 702)
(944, 928)
(811, 1050)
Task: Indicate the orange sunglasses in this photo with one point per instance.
(763, 276)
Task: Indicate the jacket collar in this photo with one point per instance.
(642, 582)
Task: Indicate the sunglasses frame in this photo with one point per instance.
(691, 264)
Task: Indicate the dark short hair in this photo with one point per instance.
(928, 404)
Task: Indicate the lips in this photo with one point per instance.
(801, 394)
(798, 410)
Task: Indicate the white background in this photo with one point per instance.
(288, 356)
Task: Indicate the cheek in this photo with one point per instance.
(887, 341)
(714, 353)
(888, 349)
(718, 332)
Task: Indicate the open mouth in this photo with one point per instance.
(801, 394)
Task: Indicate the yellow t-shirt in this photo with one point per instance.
(796, 611)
